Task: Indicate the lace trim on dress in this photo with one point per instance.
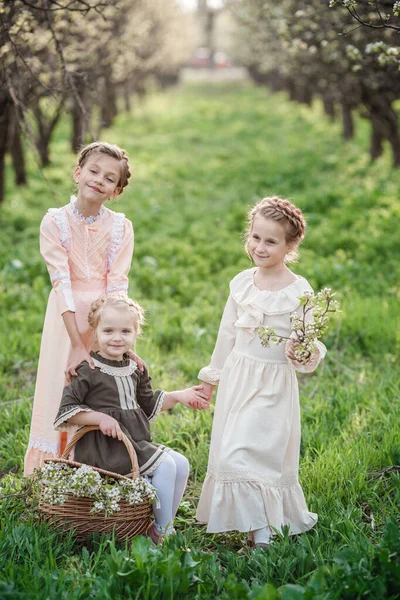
(160, 459)
(59, 276)
(43, 445)
(116, 238)
(60, 424)
(157, 407)
(210, 375)
(116, 371)
(88, 220)
(247, 476)
(61, 220)
(116, 288)
(66, 287)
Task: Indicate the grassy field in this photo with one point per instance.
(201, 156)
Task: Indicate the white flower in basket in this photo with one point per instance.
(59, 479)
(91, 500)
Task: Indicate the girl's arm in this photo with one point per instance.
(54, 245)
(79, 352)
(211, 374)
(153, 402)
(194, 397)
(107, 424)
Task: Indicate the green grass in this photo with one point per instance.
(200, 157)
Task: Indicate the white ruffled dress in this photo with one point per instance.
(252, 475)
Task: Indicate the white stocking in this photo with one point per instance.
(262, 536)
(169, 479)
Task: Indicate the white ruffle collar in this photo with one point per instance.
(256, 303)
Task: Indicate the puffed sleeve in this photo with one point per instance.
(73, 397)
(119, 255)
(316, 357)
(150, 402)
(224, 345)
(54, 239)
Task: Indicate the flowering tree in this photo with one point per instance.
(74, 55)
(309, 49)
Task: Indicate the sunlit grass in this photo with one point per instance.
(200, 157)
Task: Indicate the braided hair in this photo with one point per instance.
(110, 150)
(117, 301)
(283, 212)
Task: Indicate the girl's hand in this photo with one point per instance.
(110, 426)
(193, 397)
(137, 360)
(78, 355)
(208, 389)
(291, 346)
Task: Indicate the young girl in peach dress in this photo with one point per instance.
(88, 251)
(252, 477)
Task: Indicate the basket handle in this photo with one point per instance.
(128, 445)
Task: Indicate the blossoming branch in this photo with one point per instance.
(309, 327)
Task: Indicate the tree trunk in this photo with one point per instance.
(291, 90)
(393, 136)
(329, 107)
(79, 119)
(42, 146)
(127, 97)
(109, 103)
(376, 143)
(46, 125)
(348, 121)
(5, 103)
(16, 148)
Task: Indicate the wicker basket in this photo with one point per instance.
(75, 513)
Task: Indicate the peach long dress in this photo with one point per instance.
(85, 258)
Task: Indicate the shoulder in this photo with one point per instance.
(241, 284)
(301, 285)
(121, 225)
(53, 217)
(144, 375)
(84, 375)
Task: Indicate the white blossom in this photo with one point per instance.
(306, 331)
(59, 480)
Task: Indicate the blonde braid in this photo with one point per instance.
(287, 214)
(118, 301)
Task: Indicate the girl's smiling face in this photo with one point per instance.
(267, 245)
(115, 333)
(98, 178)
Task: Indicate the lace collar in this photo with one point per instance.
(87, 220)
(116, 368)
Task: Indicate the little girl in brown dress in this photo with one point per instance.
(118, 397)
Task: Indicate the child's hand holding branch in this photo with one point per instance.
(307, 328)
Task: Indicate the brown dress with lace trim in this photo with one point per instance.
(118, 389)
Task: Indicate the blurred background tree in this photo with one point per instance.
(80, 57)
(91, 59)
(343, 51)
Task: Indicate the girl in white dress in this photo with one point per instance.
(252, 477)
